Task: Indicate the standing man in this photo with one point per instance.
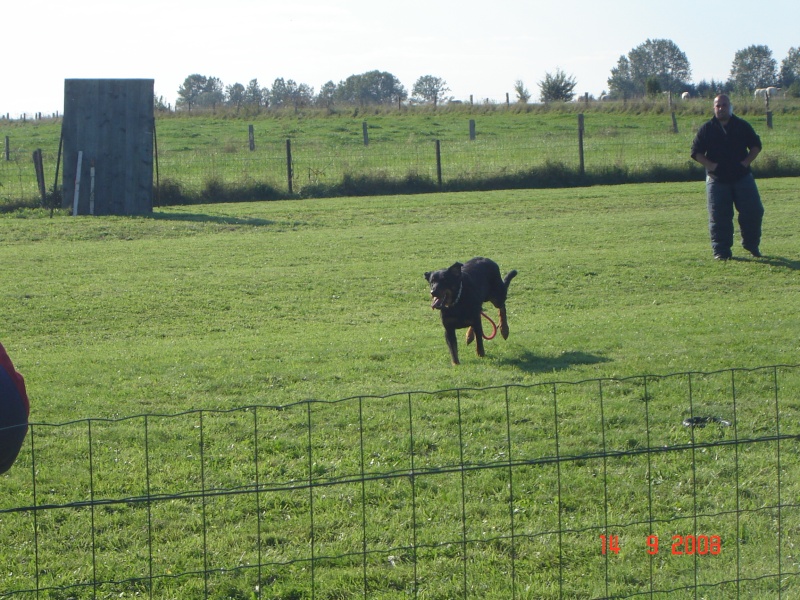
(725, 146)
(14, 410)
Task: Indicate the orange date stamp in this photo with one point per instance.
(680, 545)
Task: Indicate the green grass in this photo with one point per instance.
(282, 298)
(224, 306)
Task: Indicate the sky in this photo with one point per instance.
(479, 48)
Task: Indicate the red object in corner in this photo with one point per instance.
(19, 382)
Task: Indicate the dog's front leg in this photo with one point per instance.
(503, 323)
(452, 344)
(478, 330)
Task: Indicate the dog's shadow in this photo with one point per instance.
(204, 218)
(532, 363)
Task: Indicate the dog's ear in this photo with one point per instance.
(455, 269)
(428, 276)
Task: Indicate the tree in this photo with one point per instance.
(381, 87)
(621, 84)
(662, 60)
(212, 94)
(712, 89)
(652, 86)
(253, 94)
(430, 89)
(235, 95)
(753, 68)
(190, 91)
(279, 94)
(558, 87)
(659, 59)
(291, 93)
(326, 94)
(790, 68)
(373, 87)
(159, 104)
(523, 95)
(300, 94)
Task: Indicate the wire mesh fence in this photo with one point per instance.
(679, 486)
(526, 152)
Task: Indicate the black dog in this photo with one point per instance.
(460, 291)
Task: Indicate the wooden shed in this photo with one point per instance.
(108, 146)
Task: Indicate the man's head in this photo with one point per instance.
(723, 108)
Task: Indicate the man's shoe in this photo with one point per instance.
(722, 257)
(754, 251)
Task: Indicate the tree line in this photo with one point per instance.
(653, 67)
(371, 88)
(660, 66)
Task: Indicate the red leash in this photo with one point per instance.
(494, 327)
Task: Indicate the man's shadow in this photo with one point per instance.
(780, 262)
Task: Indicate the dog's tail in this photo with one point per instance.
(509, 277)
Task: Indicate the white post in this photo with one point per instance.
(91, 189)
(77, 184)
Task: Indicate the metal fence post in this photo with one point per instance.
(289, 173)
(580, 144)
(439, 162)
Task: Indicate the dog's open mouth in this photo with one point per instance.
(440, 302)
(437, 303)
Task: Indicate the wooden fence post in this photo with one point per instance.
(472, 129)
(8, 149)
(365, 133)
(252, 136)
(674, 123)
(289, 163)
(39, 168)
(769, 119)
(58, 166)
(580, 144)
(438, 163)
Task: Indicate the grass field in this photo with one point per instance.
(223, 306)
